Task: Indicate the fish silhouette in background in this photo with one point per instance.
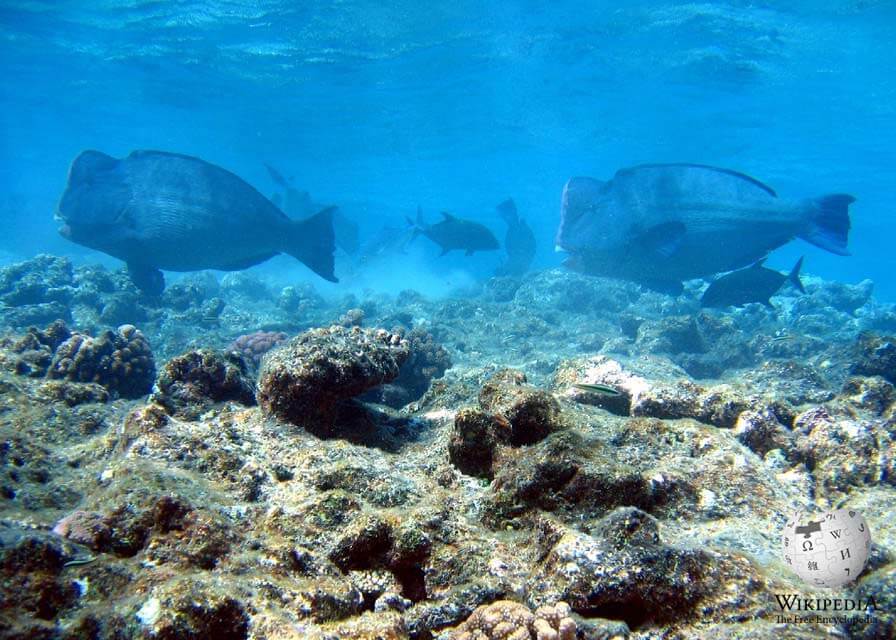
(660, 224)
(453, 233)
(519, 242)
(158, 210)
(297, 203)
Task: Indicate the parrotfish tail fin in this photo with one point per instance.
(312, 241)
(829, 223)
(507, 211)
(794, 275)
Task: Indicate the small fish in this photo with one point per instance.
(455, 233)
(76, 562)
(753, 284)
(603, 389)
(783, 337)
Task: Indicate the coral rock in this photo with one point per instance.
(507, 620)
(35, 349)
(190, 383)
(253, 346)
(427, 361)
(37, 291)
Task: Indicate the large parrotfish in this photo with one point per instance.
(157, 210)
(659, 224)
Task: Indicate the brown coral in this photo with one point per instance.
(507, 620)
(119, 360)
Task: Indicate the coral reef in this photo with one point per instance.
(875, 356)
(304, 381)
(37, 291)
(651, 507)
(121, 361)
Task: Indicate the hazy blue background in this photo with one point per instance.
(456, 107)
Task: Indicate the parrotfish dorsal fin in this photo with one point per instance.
(447, 216)
(736, 174)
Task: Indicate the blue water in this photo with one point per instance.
(379, 107)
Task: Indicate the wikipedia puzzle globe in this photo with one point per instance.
(826, 549)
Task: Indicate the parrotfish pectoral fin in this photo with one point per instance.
(663, 239)
(313, 242)
(148, 279)
(794, 275)
(829, 223)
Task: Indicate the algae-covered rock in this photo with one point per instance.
(844, 451)
(305, 380)
(624, 571)
(427, 361)
(527, 414)
(875, 355)
(33, 589)
(565, 474)
(472, 446)
(193, 609)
